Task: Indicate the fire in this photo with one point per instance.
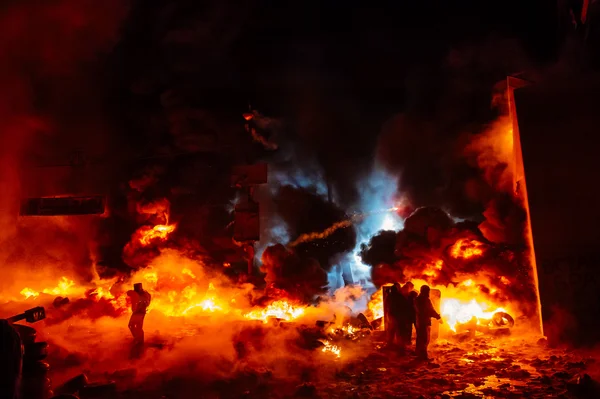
(331, 348)
(458, 305)
(279, 309)
(455, 311)
(347, 329)
(375, 305)
(465, 249)
(64, 287)
(467, 283)
(28, 293)
(210, 302)
(434, 268)
(160, 231)
(100, 292)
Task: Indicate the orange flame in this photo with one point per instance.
(64, 287)
(465, 249)
(458, 304)
(279, 309)
(328, 347)
(455, 311)
(160, 231)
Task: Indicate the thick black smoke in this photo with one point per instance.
(301, 278)
(450, 104)
(304, 213)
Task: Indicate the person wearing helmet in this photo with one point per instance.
(424, 312)
(140, 300)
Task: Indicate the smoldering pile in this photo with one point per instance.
(434, 248)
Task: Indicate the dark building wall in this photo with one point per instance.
(559, 123)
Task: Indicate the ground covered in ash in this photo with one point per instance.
(478, 368)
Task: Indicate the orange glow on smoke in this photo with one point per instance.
(465, 249)
(149, 234)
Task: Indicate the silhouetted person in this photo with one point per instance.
(425, 311)
(410, 316)
(392, 325)
(406, 315)
(140, 300)
(412, 297)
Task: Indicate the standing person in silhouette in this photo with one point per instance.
(408, 315)
(392, 322)
(140, 300)
(424, 312)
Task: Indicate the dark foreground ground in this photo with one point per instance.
(481, 368)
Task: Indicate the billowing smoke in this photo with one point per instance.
(50, 106)
(434, 144)
(301, 279)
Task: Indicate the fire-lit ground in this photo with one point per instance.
(231, 354)
(181, 366)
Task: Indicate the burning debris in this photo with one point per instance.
(476, 277)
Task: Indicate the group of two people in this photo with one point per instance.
(406, 309)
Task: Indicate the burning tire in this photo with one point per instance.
(503, 320)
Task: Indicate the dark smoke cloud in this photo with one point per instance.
(305, 212)
(51, 105)
(300, 278)
(425, 144)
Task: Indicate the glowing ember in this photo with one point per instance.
(455, 312)
(350, 330)
(347, 329)
(278, 309)
(160, 231)
(465, 249)
(331, 348)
